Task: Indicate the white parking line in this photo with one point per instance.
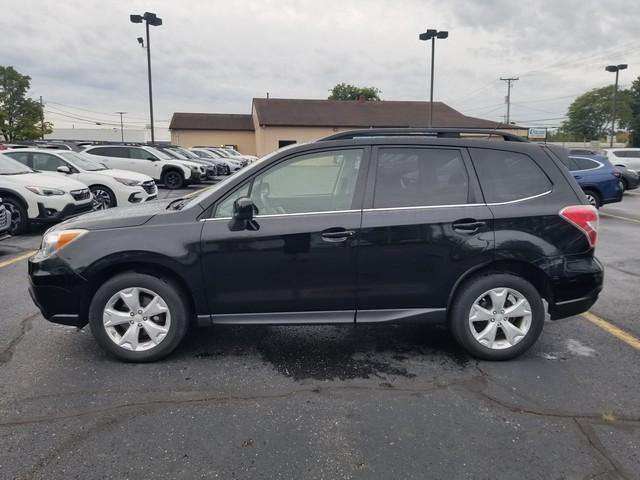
(635, 220)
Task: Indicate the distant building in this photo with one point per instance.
(276, 122)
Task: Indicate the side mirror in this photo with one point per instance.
(243, 212)
(64, 169)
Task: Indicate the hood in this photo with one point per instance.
(187, 163)
(45, 180)
(119, 217)
(125, 174)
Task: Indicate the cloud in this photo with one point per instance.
(214, 56)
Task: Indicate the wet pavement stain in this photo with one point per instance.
(339, 352)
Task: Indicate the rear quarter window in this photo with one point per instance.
(507, 176)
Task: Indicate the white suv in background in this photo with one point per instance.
(110, 188)
(34, 197)
(627, 157)
(149, 161)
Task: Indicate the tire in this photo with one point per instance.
(103, 197)
(466, 331)
(137, 345)
(19, 215)
(625, 185)
(593, 197)
(173, 179)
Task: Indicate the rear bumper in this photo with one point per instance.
(577, 287)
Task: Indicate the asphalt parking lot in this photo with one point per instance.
(328, 402)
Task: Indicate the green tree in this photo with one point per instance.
(20, 117)
(589, 116)
(345, 91)
(634, 125)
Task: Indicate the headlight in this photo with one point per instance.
(127, 182)
(54, 241)
(45, 191)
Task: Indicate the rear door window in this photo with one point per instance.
(585, 163)
(413, 177)
(508, 176)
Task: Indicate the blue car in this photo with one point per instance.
(597, 177)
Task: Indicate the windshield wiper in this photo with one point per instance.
(177, 204)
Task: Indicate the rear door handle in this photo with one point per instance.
(335, 235)
(468, 225)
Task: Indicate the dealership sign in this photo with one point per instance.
(538, 133)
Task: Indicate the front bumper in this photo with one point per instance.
(51, 215)
(58, 291)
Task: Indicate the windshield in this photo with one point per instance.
(82, 162)
(176, 153)
(9, 166)
(160, 154)
(205, 154)
(184, 152)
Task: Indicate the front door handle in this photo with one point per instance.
(335, 235)
(468, 225)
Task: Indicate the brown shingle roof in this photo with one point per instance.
(211, 121)
(340, 113)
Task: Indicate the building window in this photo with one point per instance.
(284, 143)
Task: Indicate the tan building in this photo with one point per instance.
(276, 122)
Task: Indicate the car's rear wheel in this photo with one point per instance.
(497, 316)
(138, 317)
(103, 197)
(173, 179)
(625, 184)
(19, 216)
(593, 198)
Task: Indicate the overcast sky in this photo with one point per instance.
(214, 56)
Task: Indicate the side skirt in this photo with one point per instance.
(420, 315)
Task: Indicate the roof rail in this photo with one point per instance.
(422, 132)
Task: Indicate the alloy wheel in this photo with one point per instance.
(101, 199)
(136, 319)
(592, 200)
(172, 179)
(500, 318)
(15, 216)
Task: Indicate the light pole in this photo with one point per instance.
(155, 21)
(121, 128)
(432, 34)
(614, 68)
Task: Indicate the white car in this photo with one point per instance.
(34, 197)
(149, 161)
(110, 188)
(627, 157)
(233, 165)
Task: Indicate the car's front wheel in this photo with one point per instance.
(103, 197)
(173, 179)
(18, 216)
(138, 317)
(497, 316)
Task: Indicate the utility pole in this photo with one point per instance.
(509, 81)
(121, 128)
(41, 119)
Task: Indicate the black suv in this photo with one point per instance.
(363, 226)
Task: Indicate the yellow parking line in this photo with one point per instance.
(617, 332)
(620, 218)
(16, 259)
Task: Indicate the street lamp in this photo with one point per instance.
(155, 21)
(432, 34)
(616, 69)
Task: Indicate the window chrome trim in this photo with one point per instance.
(417, 207)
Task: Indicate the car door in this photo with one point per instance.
(298, 266)
(46, 162)
(116, 157)
(143, 161)
(423, 226)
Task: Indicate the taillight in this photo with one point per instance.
(585, 217)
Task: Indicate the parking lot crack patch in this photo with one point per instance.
(25, 325)
(594, 442)
(17, 422)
